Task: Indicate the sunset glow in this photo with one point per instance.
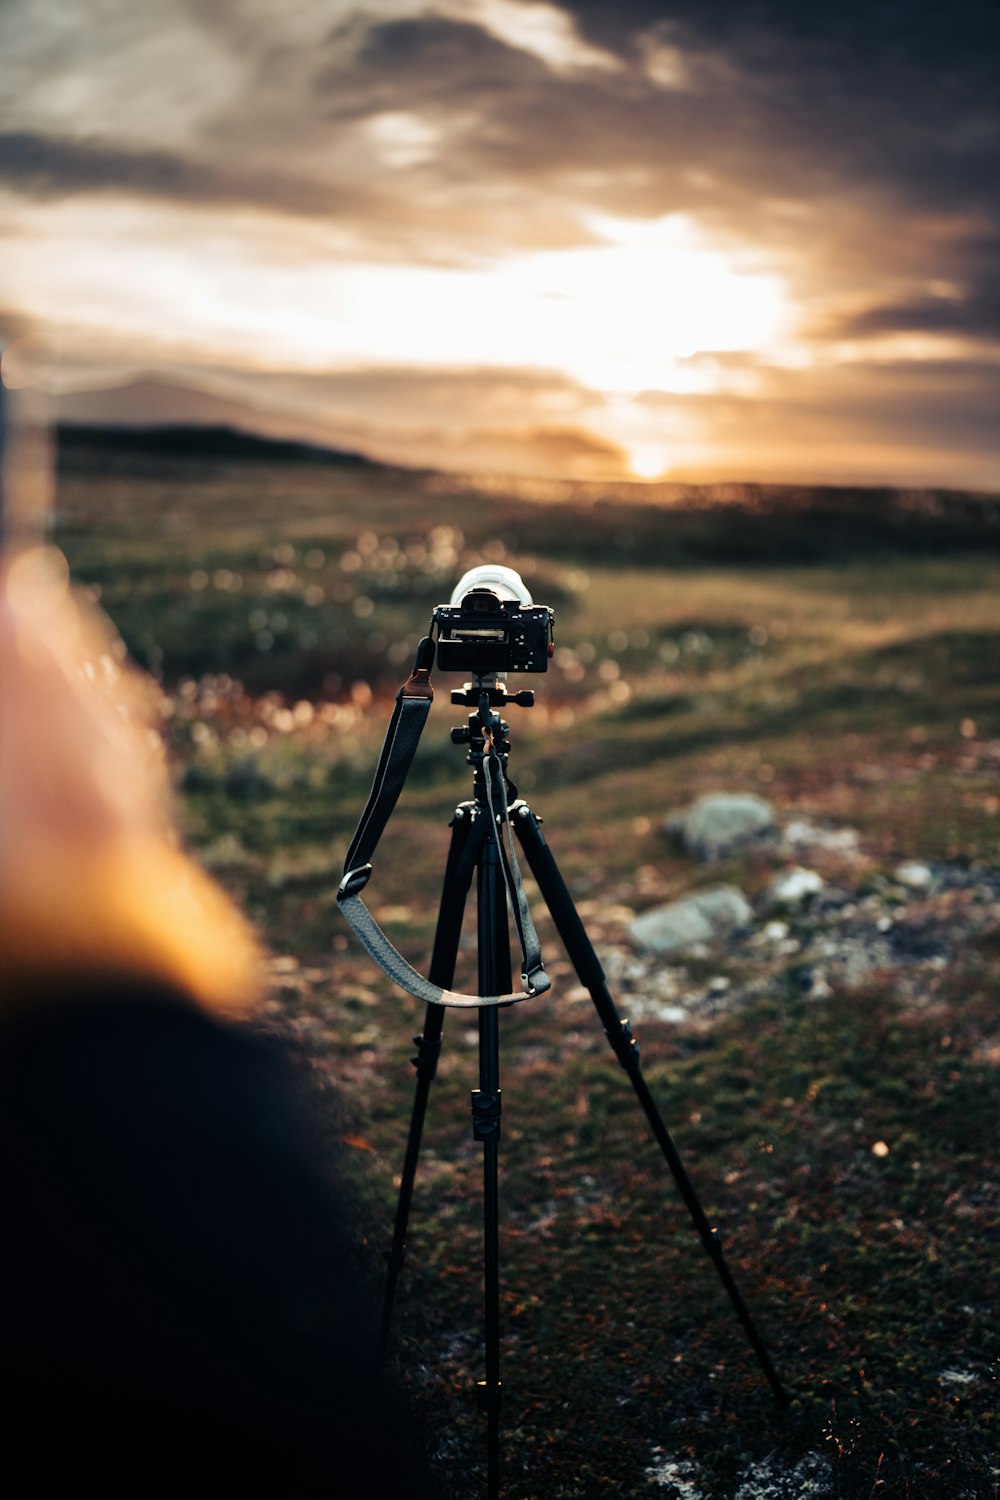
(505, 234)
(615, 316)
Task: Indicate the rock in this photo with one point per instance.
(820, 989)
(794, 887)
(917, 876)
(705, 917)
(772, 1479)
(721, 822)
(673, 1015)
(803, 834)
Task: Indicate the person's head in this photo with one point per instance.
(91, 877)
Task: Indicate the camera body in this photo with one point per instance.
(487, 629)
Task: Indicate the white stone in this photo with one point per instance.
(810, 1479)
(914, 874)
(720, 822)
(795, 886)
(677, 1475)
(674, 1015)
(703, 918)
(800, 833)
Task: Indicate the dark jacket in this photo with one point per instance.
(178, 1309)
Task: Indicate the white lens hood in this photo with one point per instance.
(503, 581)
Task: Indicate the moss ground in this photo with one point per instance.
(837, 661)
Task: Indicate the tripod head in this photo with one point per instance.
(485, 727)
(497, 693)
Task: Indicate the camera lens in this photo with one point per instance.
(500, 581)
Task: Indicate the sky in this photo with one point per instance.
(697, 241)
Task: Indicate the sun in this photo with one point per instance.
(647, 460)
(618, 316)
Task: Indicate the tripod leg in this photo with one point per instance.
(494, 978)
(457, 880)
(585, 961)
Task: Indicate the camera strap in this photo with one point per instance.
(406, 725)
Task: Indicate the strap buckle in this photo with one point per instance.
(417, 685)
(354, 881)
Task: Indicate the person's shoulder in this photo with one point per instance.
(123, 1056)
(62, 1016)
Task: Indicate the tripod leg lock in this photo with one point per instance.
(426, 1059)
(489, 1394)
(626, 1047)
(485, 1115)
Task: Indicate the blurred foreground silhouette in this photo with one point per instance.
(179, 1306)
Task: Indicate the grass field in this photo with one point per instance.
(835, 652)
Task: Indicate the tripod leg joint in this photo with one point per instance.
(625, 1045)
(426, 1057)
(485, 1115)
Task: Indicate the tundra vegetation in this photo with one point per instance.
(828, 1069)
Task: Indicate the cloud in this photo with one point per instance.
(848, 160)
(427, 63)
(413, 402)
(542, 452)
(50, 168)
(769, 123)
(847, 151)
(974, 317)
(910, 422)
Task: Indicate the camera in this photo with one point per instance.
(492, 625)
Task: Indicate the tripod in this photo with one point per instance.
(476, 845)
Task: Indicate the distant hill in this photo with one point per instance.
(149, 402)
(149, 427)
(192, 440)
(168, 420)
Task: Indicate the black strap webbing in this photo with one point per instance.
(409, 715)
